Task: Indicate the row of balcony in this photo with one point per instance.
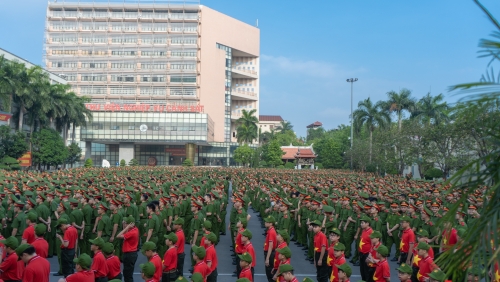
(124, 15)
(108, 41)
(131, 30)
(122, 54)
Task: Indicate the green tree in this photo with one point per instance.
(74, 154)
(398, 103)
(88, 163)
(315, 133)
(12, 144)
(372, 116)
(243, 155)
(187, 162)
(247, 131)
(8, 82)
(284, 126)
(133, 162)
(274, 154)
(48, 148)
(123, 163)
(431, 110)
(329, 153)
(9, 163)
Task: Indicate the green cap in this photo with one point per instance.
(247, 233)
(339, 247)
(40, 229)
(383, 250)
(315, 222)
(285, 251)
(422, 233)
(307, 279)
(405, 269)
(148, 269)
(171, 236)
(438, 275)
(179, 221)
(328, 209)
(246, 257)
(335, 230)
(211, 237)
(423, 246)
(197, 277)
(129, 219)
(375, 234)
(270, 219)
(97, 242)
(199, 252)
(10, 242)
(284, 234)
(345, 268)
(108, 248)
(20, 250)
(285, 268)
(405, 218)
(243, 280)
(115, 280)
(365, 218)
(32, 217)
(148, 246)
(84, 261)
(207, 224)
(61, 221)
(182, 279)
(243, 221)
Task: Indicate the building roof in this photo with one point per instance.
(270, 118)
(295, 152)
(315, 124)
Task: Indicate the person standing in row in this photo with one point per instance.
(181, 241)
(364, 245)
(269, 246)
(130, 236)
(170, 259)
(99, 265)
(8, 268)
(40, 244)
(211, 256)
(320, 253)
(37, 268)
(83, 271)
(68, 246)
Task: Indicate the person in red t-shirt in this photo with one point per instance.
(68, 245)
(246, 266)
(40, 244)
(8, 268)
(99, 265)
(37, 268)
(200, 266)
(29, 232)
(149, 250)
(286, 271)
(112, 261)
(281, 243)
(426, 264)
(344, 271)
(405, 273)
(269, 245)
(170, 259)
(365, 245)
(320, 255)
(422, 236)
(284, 255)
(407, 242)
(382, 271)
(371, 260)
(211, 257)
(334, 237)
(246, 236)
(241, 227)
(338, 259)
(449, 237)
(181, 240)
(130, 236)
(83, 271)
(148, 270)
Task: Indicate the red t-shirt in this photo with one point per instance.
(281, 278)
(37, 270)
(417, 259)
(246, 273)
(382, 271)
(334, 277)
(320, 242)
(365, 244)
(239, 244)
(426, 266)
(170, 259)
(202, 268)
(270, 237)
(276, 259)
(3, 246)
(29, 234)
(81, 276)
(373, 252)
(450, 238)
(156, 261)
(407, 238)
(181, 240)
(41, 247)
(9, 268)
(211, 256)
(114, 264)
(130, 240)
(202, 242)
(331, 254)
(99, 265)
(249, 249)
(70, 235)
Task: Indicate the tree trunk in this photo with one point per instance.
(73, 137)
(371, 143)
(21, 117)
(399, 121)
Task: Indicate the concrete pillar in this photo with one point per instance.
(190, 151)
(126, 152)
(88, 149)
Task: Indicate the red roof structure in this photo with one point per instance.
(270, 118)
(315, 124)
(298, 152)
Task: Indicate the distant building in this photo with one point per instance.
(303, 154)
(267, 123)
(315, 125)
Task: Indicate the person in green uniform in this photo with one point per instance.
(347, 226)
(50, 236)
(285, 220)
(62, 211)
(76, 220)
(104, 226)
(392, 229)
(87, 212)
(330, 219)
(302, 222)
(117, 223)
(18, 221)
(143, 215)
(152, 225)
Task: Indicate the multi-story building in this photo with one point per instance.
(268, 123)
(167, 79)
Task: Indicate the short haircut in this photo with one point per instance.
(29, 250)
(152, 206)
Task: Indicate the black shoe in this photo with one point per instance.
(234, 263)
(190, 276)
(223, 234)
(394, 259)
(305, 248)
(308, 258)
(190, 270)
(293, 240)
(50, 256)
(57, 274)
(234, 275)
(356, 264)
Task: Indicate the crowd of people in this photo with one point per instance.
(97, 220)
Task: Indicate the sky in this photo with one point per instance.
(309, 49)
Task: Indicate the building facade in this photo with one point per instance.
(167, 79)
(268, 123)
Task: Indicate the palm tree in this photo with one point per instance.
(398, 103)
(82, 115)
(372, 116)
(7, 83)
(431, 109)
(247, 124)
(284, 126)
(265, 137)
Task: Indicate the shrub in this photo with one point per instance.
(371, 168)
(319, 165)
(133, 162)
(280, 166)
(88, 163)
(289, 165)
(123, 163)
(9, 163)
(432, 173)
(187, 162)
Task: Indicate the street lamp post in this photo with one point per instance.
(352, 80)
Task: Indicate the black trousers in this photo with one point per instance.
(370, 272)
(180, 264)
(213, 276)
(101, 279)
(129, 260)
(363, 267)
(253, 273)
(67, 256)
(414, 274)
(403, 257)
(238, 267)
(119, 277)
(169, 277)
(322, 274)
(269, 268)
(12, 280)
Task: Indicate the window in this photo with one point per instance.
(123, 65)
(123, 53)
(64, 39)
(97, 126)
(153, 78)
(125, 78)
(93, 90)
(154, 53)
(95, 39)
(131, 127)
(64, 52)
(183, 53)
(182, 66)
(157, 91)
(64, 64)
(154, 66)
(156, 128)
(115, 127)
(182, 91)
(183, 40)
(123, 90)
(174, 128)
(160, 27)
(185, 79)
(124, 39)
(69, 77)
(94, 52)
(94, 77)
(101, 65)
